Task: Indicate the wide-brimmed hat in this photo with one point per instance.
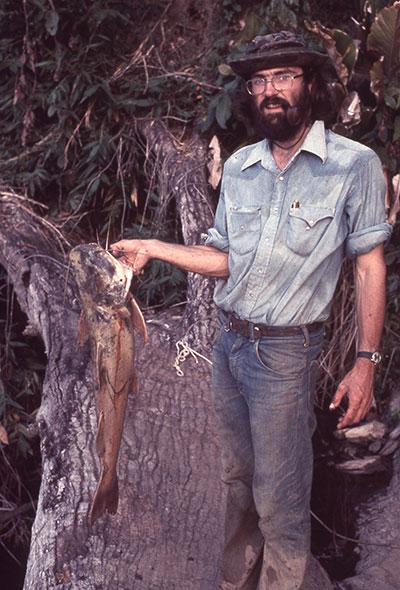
(276, 49)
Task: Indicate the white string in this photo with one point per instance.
(183, 350)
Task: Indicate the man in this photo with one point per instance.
(291, 206)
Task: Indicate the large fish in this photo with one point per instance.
(109, 319)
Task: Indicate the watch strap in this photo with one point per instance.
(375, 357)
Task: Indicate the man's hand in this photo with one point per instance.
(357, 385)
(133, 253)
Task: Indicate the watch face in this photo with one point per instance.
(376, 357)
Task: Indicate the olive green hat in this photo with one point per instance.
(276, 49)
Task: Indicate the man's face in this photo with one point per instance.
(279, 114)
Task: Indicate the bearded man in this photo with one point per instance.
(291, 207)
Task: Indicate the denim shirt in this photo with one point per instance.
(287, 231)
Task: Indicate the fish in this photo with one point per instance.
(109, 319)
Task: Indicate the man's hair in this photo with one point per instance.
(324, 100)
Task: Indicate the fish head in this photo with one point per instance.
(100, 277)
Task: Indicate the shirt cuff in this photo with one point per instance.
(364, 240)
(215, 239)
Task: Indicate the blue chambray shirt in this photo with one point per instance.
(287, 231)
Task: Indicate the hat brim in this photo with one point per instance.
(248, 64)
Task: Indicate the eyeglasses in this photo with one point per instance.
(280, 82)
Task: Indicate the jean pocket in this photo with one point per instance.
(244, 226)
(286, 360)
(306, 227)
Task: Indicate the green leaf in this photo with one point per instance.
(253, 25)
(377, 76)
(225, 70)
(347, 48)
(51, 110)
(327, 36)
(52, 20)
(392, 97)
(385, 38)
(396, 132)
(224, 110)
(88, 93)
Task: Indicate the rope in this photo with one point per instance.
(183, 350)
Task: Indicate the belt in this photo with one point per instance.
(256, 331)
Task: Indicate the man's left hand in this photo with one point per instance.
(357, 385)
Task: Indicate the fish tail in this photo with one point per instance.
(105, 498)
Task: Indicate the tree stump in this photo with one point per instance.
(168, 529)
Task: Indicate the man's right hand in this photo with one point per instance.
(133, 253)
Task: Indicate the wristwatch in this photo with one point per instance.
(374, 357)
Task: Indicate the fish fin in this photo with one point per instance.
(83, 332)
(100, 444)
(106, 497)
(138, 319)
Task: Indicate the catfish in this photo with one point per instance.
(109, 319)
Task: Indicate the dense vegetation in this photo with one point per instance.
(78, 78)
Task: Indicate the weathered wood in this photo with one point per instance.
(167, 532)
(179, 167)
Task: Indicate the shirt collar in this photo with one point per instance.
(315, 143)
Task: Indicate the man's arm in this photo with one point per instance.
(370, 277)
(204, 260)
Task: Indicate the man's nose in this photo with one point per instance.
(270, 90)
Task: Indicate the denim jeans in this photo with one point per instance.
(263, 393)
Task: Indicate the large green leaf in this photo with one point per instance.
(347, 48)
(330, 41)
(385, 38)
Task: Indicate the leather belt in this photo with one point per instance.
(256, 331)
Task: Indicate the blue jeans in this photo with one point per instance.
(263, 394)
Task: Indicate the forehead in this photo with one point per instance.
(282, 69)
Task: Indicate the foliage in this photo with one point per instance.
(75, 78)
(21, 373)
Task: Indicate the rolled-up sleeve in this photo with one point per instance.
(217, 236)
(366, 208)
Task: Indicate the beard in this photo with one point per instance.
(282, 126)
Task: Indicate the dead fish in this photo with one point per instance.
(109, 318)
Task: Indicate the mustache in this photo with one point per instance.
(267, 101)
(293, 113)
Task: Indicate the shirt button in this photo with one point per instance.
(260, 270)
(281, 178)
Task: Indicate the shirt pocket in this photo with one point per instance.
(307, 225)
(244, 229)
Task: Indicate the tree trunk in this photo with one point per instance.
(167, 531)
(180, 171)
